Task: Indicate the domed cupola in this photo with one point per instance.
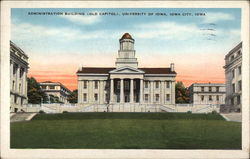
(127, 36)
(126, 54)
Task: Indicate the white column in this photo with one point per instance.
(172, 96)
(17, 78)
(24, 82)
(11, 72)
(131, 90)
(141, 90)
(111, 90)
(151, 91)
(89, 91)
(101, 92)
(162, 93)
(121, 92)
(79, 91)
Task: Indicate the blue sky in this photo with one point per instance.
(45, 33)
(191, 42)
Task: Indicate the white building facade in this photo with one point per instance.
(233, 74)
(56, 89)
(207, 93)
(18, 78)
(126, 87)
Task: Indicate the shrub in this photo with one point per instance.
(189, 112)
(65, 112)
(41, 112)
(214, 112)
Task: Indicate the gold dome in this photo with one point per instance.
(127, 36)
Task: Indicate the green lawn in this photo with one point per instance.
(127, 131)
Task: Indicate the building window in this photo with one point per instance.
(217, 98)
(146, 84)
(157, 84)
(167, 97)
(96, 97)
(239, 53)
(19, 88)
(210, 89)
(232, 101)
(134, 84)
(106, 97)
(118, 84)
(232, 58)
(233, 73)
(43, 87)
(21, 72)
(210, 98)
(146, 97)
(51, 87)
(85, 84)
(15, 68)
(238, 100)
(239, 85)
(96, 84)
(84, 97)
(202, 98)
(168, 84)
(157, 97)
(126, 85)
(217, 89)
(233, 87)
(15, 99)
(202, 89)
(239, 70)
(13, 85)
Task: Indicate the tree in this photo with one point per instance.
(73, 96)
(35, 93)
(181, 93)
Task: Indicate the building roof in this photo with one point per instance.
(234, 49)
(12, 44)
(54, 83)
(105, 70)
(207, 84)
(127, 36)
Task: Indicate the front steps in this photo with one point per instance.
(21, 117)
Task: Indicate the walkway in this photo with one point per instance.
(21, 117)
(232, 117)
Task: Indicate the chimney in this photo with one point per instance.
(80, 67)
(172, 67)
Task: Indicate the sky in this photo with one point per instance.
(196, 40)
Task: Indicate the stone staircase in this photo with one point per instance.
(237, 117)
(21, 117)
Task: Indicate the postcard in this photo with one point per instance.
(130, 79)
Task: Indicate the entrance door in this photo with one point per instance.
(126, 98)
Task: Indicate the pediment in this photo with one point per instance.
(127, 70)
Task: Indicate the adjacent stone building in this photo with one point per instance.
(18, 78)
(233, 73)
(207, 93)
(126, 87)
(56, 89)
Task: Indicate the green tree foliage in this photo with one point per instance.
(181, 93)
(73, 96)
(35, 93)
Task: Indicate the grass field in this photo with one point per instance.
(127, 131)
